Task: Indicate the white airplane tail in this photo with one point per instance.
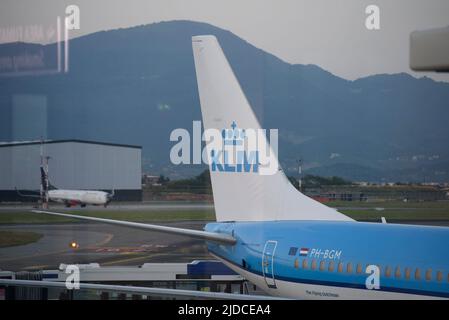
(243, 190)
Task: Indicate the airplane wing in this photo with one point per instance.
(136, 290)
(209, 236)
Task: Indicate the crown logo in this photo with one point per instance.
(234, 136)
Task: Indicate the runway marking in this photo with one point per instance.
(140, 257)
(130, 259)
(109, 237)
(41, 267)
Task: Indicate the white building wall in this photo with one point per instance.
(73, 165)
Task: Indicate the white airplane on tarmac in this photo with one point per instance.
(69, 197)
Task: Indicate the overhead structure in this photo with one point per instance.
(429, 50)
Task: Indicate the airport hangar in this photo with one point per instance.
(73, 164)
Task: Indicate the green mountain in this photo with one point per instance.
(136, 85)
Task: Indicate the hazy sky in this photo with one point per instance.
(329, 33)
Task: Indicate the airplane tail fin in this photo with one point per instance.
(44, 180)
(244, 189)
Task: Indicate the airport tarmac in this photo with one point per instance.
(102, 243)
(118, 206)
(108, 245)
(111, 245)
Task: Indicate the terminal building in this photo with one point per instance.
(198, 275)
(73, 164)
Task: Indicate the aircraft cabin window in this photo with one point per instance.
(322, 265)
(429, 274)
(366, 266)
(397, 272)
(304, 264)
(418, 274)
(359, 268)
(349, 267)
(439, 276)
(407, 273)
(313, 266)
(296, 263)
(340, 267)
(387, 271)
(292, 251)
(331, 266)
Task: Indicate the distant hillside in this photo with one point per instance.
(136, 85)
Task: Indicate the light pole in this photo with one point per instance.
(300, 174)
(44, 177)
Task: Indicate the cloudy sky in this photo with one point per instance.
(331, 34)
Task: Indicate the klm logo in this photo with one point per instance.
(227, 150)
(233, 157)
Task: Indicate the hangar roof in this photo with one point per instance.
(24, 143)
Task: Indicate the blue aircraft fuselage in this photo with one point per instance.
(411, 260)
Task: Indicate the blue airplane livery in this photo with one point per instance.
(286, 243)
